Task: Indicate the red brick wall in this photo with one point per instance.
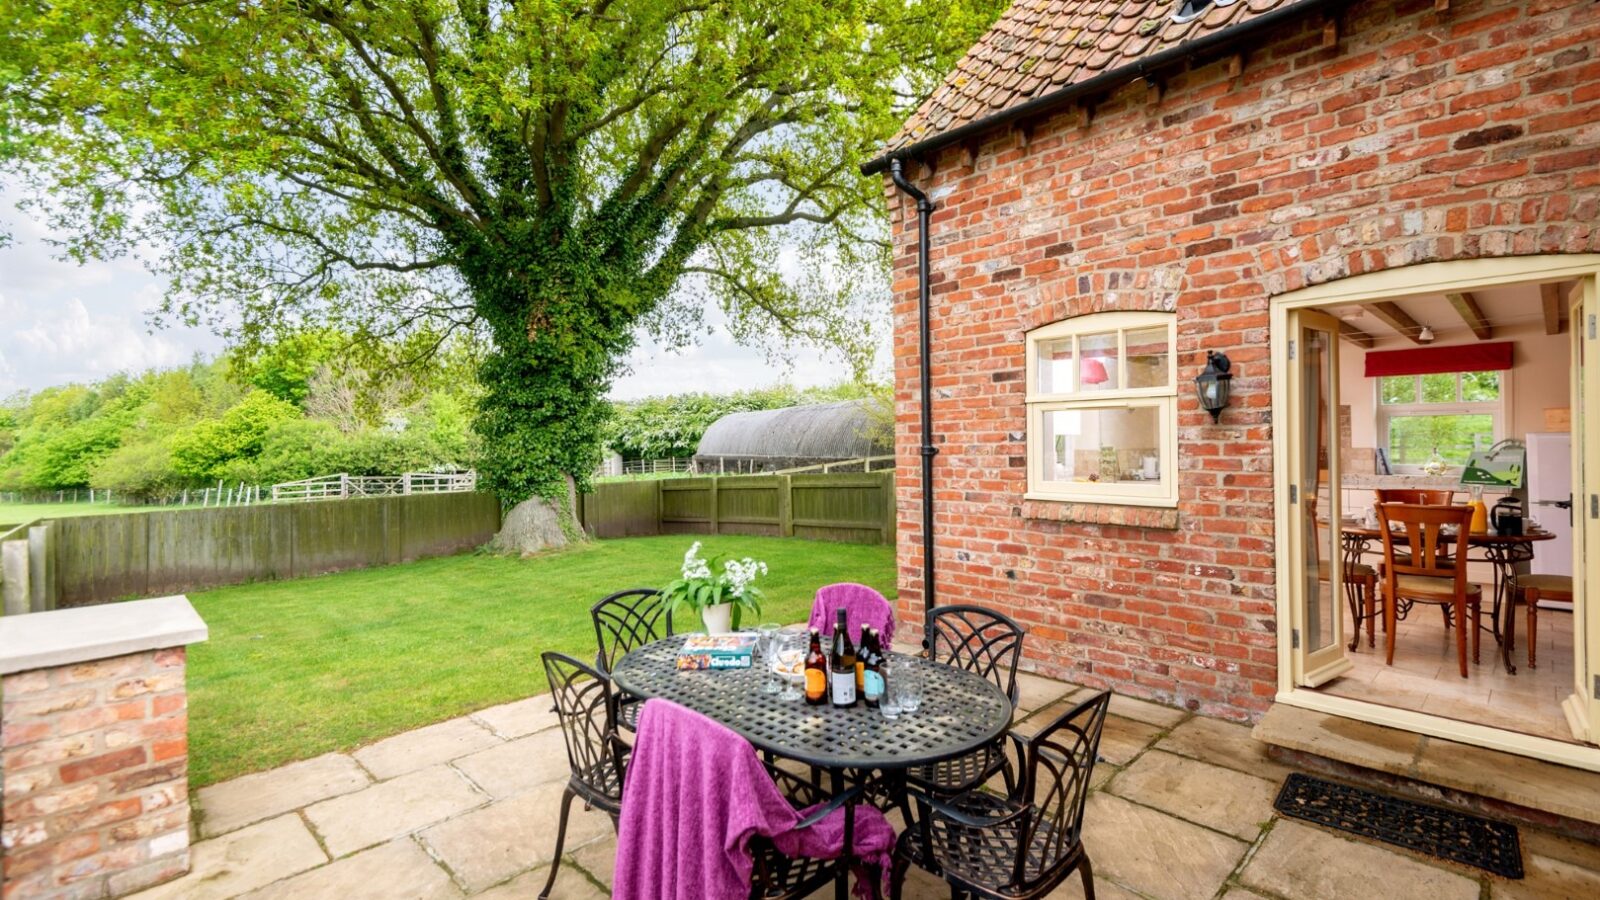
(1421, 137)
(95, 762)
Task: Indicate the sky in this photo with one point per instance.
(65, 322)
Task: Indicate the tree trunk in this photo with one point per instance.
(538, 524)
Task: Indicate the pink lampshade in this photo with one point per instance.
(1092, 371)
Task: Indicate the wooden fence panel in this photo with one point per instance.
(440, 524)
(622, 509)
(103, 557)
(855, 508)
(347, 534)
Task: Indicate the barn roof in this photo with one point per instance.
(820, 431)
(1041, 53)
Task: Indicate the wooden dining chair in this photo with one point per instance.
(1532, 588)
(1416, 496)
(1423, 574)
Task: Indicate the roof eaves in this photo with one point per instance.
(1104, 82)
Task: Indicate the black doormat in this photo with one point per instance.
(1445, 833)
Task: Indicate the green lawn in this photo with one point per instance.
(298, 668)
(17, 513)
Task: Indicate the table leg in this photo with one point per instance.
(841, 882)
(1510, 633)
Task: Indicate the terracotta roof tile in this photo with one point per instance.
(1040, 46)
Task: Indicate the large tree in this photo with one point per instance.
(555, 173)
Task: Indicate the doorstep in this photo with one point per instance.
(1497, 784)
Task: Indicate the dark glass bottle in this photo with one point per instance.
(842, 665)
(816, 671)
(861, 659)
(872, 670)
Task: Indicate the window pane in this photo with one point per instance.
(1398, 389)
(1055, 366)
(1477, 387)
(1412, 439)
(1097, 370)
(1104, 446)
(1149, 357)
(1439, 388)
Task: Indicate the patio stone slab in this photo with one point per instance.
(1515, 779)
(1335, 737)
(489, 845)
(1124, 739)
(1036, 692)
(1223, 744)
(570, 885)
(391, 808)
(1072, 889)
(1544, 878)
(1218, 798)
(1154, 853)
(599, 859)
(251, 798)
(516, 766)
(243, 860)
(423, 747)
(1305, 862)
(518, 718)
(389, 871)
(1146, 712)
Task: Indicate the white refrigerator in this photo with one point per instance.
(1550, 483)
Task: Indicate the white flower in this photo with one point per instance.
(693, 566)
(740, 573)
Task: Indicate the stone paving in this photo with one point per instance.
(1182, 808)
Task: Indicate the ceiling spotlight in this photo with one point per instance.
(1425, 335)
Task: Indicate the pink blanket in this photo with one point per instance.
(696, 793)
(862, 606)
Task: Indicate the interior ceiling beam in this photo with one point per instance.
(1397, 318)
(1467, 307)
(1355, 335)
(1550, 299)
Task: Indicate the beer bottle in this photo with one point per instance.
(861, 659)
(842, 665)
(816, 671)
(872, 671)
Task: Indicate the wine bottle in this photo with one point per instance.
(816, 672)
(872, 670)
(861, 659)
(842, 665)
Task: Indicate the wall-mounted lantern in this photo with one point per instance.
(1213, 384)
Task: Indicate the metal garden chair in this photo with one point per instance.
(987, 643)
(623, 621)
(583, 704)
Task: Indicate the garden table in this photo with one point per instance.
(961, 711)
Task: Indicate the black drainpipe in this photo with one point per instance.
(928, 450)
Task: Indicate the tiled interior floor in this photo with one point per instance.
(1426, 678)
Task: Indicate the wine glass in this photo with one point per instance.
(791, 655)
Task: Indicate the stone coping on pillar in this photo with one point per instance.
(66, 636)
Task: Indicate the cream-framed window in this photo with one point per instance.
(1453, 414)
(1103, 409)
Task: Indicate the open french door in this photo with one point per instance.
(1583, 707)
(1317, 628)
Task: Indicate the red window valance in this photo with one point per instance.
(1432, 360)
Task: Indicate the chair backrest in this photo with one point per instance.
(628, 619)
(582, 697)
(1415, 496)
(1426, 538)
(864, 606)
(1057, 764)
(978, 640)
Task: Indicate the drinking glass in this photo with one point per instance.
(766, 645)
(910, 687)
(890, 703)
(791, 653)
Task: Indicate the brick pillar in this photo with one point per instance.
(94, 751)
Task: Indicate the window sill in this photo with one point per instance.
(1164, 518)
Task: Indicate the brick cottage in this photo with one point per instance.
(1119, 188)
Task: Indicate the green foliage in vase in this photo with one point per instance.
(558, 176)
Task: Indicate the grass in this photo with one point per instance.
(17, 513)
(294, 669)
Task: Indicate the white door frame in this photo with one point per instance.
(1396, 284)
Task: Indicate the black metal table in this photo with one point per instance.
(961, 711)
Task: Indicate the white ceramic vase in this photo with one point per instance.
(718, 618)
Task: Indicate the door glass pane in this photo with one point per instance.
(1102, 446)
(1149, 357)
(1097, 369)
(1413, 439)
(1055, 366)
(1398, 388)
(1439, 388)
(1316, 380)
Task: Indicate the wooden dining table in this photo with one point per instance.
(1502, 551)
